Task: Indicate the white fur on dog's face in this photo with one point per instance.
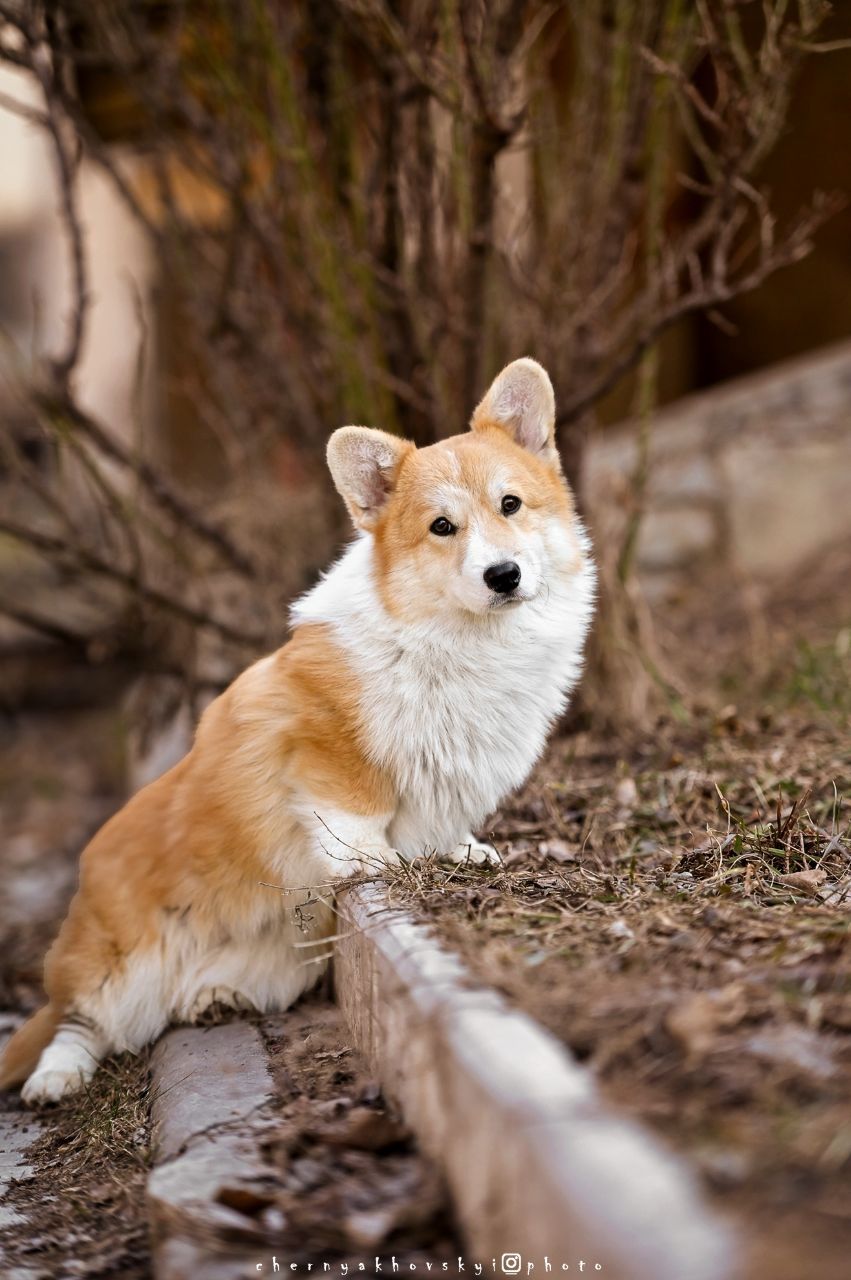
(465, 481)
(398, 493)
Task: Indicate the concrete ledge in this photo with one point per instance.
(537, 1164)
(19, 1130)
(210, 1089)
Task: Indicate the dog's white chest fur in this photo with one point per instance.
(456, 712)
(460, 728)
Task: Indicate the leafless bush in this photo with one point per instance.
(391, 199)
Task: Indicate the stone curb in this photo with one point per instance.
(210, 1087)
(537, 1163)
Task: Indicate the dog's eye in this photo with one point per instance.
(510, 504)
(442, 527)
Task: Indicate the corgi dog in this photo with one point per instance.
(422, 676)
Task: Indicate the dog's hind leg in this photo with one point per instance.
(68, 1062)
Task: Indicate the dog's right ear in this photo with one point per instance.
(364, 464)
(520, 401)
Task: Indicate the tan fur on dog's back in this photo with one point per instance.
(198, 838)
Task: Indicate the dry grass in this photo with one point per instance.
(723, 808)
(86, 1202)
(676, 910)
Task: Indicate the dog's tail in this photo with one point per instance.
(18, 1060)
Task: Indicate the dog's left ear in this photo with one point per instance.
(364, 464)
(521, 402)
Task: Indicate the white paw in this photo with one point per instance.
(51, 1085)
(474, 851)
(225, 996)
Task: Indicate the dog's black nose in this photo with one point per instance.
(503, 577)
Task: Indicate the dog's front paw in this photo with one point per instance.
(472, 850)
(51, 1085)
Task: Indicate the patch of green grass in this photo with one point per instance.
(110, 1118)
(820, 676)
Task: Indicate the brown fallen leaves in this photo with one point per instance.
(808, 882)
(343, 1177)
(696, 1021)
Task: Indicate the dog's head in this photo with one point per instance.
(478, 523)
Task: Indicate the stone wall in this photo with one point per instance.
(758, 469)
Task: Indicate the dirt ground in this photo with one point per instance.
(348, 1182)
(676, 907)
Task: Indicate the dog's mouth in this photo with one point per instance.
(507, 599)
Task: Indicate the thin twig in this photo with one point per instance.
(86, 559)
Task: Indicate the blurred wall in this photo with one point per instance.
(751, 476)
(35, 278)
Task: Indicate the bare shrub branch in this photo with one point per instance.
(359, 210)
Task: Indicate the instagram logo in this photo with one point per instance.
(511, 1264)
